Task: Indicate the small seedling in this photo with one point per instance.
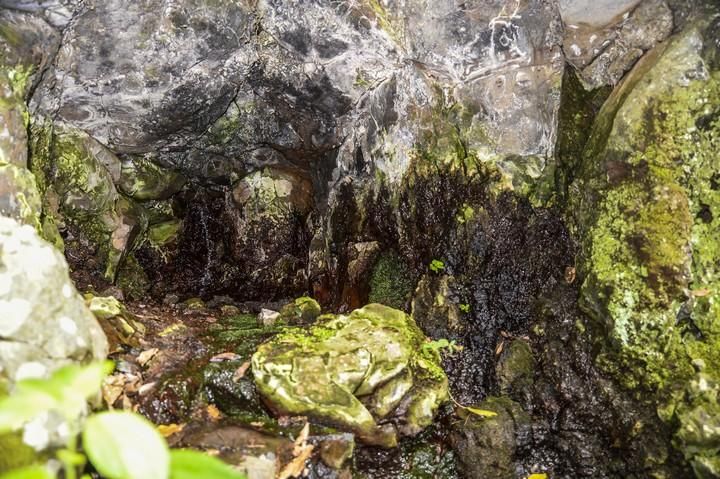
(436, 266)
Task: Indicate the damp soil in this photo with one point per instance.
(190, 372)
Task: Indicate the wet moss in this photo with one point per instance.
(648, 220)
(391, 282)
(578, 108)
(132, 279)
(242, 334)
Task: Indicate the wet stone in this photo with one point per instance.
(366, 372)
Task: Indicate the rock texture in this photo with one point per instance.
(647, 213)
(367, 372)
(422, 154)
(604, 39)
(45, 323)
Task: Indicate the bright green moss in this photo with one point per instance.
(19, 77)
(647, 207)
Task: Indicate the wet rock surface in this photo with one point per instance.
(367, 372)
(535, 181)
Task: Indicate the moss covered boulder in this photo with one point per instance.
(367, 372)
(646, 206)
(144, 180)
(77, 176)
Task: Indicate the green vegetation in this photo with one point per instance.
(646, 205)
(436, 266)
(391, 282)
(119, 445)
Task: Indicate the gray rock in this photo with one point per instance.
(227, 87)
(57, 12)
(44, 322)
(604, 39)
(268, 317)
(486, 447)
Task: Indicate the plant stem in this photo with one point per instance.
(70, 469)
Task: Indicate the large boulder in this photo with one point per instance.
(368, 372)
(44, 325)
(44, 322)
(646, 208)
(223, 87)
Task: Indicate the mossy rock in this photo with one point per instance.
(143, 180)
(391, 282)
(516, 368)
(486, 446)
(302, 311)
(646, 207)
(351, 371)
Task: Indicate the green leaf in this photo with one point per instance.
(71, 457)
(30, 472)
(481, 412)
(18, 409)
(65, 391)
(123, 445)
(436, 266)
(186, 464)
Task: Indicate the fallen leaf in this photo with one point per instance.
(214, 412)
(212, 452)
(168, 430)
(499, 348)
(257, 424)
(146, 356)
(302, 452)
(301, 439)
(537, 476)
(218, 358)
(699, 293)
(240, 372)
(570, 274)
(481, 412)
(112, 388)
(127, 403)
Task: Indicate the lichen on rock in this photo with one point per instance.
(646, 209)
(367, 372)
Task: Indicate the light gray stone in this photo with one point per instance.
(44, 323)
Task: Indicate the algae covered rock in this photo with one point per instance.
(44, 323)
(19, 196)
(486, 447)
(647, 211)
(78, 176)
(302, 311)
(367, 372)
(120, 326)
(143, 180)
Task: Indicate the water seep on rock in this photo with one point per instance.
(367, 372)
